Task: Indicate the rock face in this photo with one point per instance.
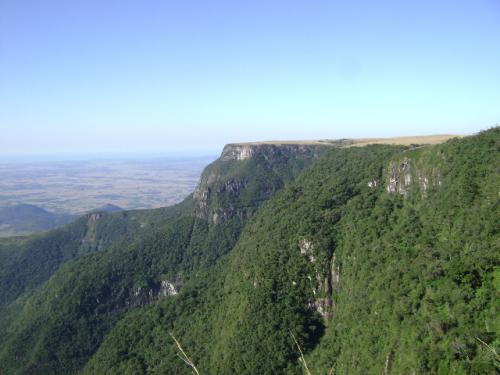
(210, 193)
(399, 177)
(328, 284)
(90, 237)
(324, 306)
(307, 249)
(269, 151)
(221, 192)
(237, 152)
(168, 289)
(405, 173)
(326, 280)
(145, 295)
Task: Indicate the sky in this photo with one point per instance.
(189, 76)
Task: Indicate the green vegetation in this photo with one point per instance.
(27, 262)
(112, 263)
(24, 219)
(378, 259)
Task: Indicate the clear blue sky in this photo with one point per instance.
(125, 76)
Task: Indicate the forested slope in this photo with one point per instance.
(104, 266)
(378, 260)
(27, 262)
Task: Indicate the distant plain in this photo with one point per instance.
(76, 187)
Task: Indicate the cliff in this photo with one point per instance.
(247, 174)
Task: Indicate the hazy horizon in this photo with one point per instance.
(108, 155)
(180, 78)
(76, 186)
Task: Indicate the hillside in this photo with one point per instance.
(24, 219)
(132, 260)
(378, 259)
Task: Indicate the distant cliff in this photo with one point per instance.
(249, 173)
(274, 152)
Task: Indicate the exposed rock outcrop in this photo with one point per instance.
(405, 174)
(147, 294)
(270, 151)
(90, 237)
(399, 177)
(307, 248)
(237, 152)
(327, 286)
(326, 280)
(232, 186)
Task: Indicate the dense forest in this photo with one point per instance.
(285, 260)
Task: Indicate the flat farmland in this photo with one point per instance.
(76, 187)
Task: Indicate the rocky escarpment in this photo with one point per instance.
(237, 152)
(265, 167)
(325, 280)
(247, 174)
(405, 174)
(209, 194)
(270, 151)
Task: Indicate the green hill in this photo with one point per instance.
(22, 219)
(377, 259)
